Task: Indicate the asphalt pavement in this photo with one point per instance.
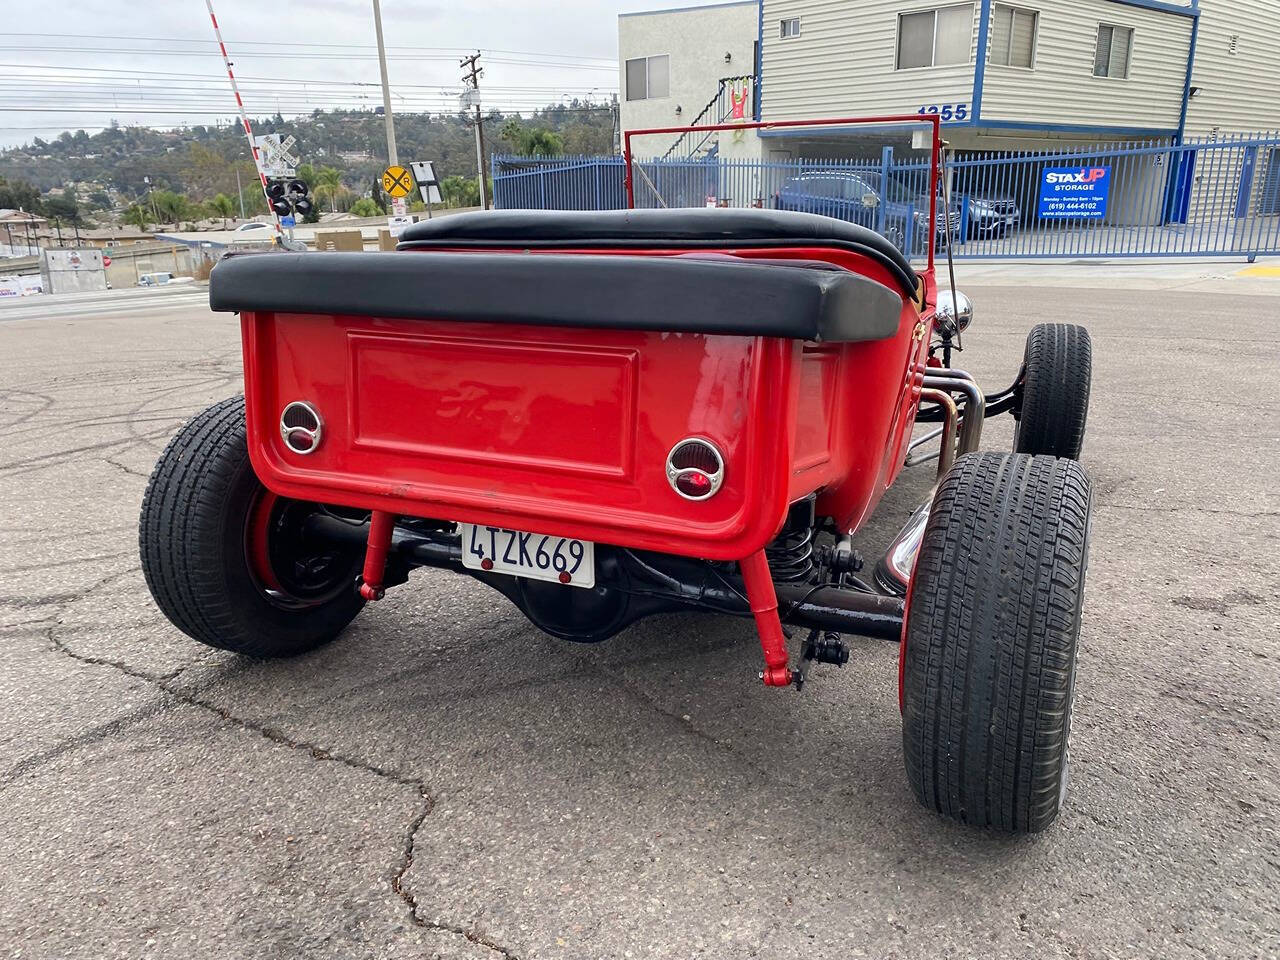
(445, 781)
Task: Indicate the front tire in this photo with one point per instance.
(988, 668)
(224, 558)
(1058, 370)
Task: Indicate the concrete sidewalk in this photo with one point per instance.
(1209, 275)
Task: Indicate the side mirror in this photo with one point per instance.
(954, 311)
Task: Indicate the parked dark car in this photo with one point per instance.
(990, 217)
(857, 196)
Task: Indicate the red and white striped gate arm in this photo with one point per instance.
(244, 120)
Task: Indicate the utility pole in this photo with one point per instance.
(472, 78)
(151, 199)
(393, 159)
(240, 194)
(617, 126)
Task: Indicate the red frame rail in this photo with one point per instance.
(935, 154)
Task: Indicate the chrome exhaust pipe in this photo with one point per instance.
(975, 404)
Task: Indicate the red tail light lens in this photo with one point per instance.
(695, 468)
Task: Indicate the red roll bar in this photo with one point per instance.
(935, 154)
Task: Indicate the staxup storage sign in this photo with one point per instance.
(1074, 193)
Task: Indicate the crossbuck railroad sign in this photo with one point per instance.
(275, 157)
(397, 182)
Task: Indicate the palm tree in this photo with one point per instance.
(136, 216)
(329, 184)
(222, 206)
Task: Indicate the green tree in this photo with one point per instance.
(253, 200)
(19, 195)
(535, 142)
(364, 207)
(63, 208)
(170, 207)
(543, 143)
(460, 191)
(223, 206)
(328, 185)
(138, 216)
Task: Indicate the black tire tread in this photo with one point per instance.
(991, 640)
(1058, 365)
(202, 472)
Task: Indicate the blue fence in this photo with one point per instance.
(1202, 198)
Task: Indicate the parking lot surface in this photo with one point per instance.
(445, 781)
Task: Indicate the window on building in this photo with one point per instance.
(648, 78)
(934, 38)
(789, 28)
(1013, 36)
(1111, 59)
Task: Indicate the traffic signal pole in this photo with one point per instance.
(393, 158)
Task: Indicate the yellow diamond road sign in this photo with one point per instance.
(397, 181)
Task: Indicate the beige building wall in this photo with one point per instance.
(703, 45)
(1237, 68)
(842, 63)
(1061, 87)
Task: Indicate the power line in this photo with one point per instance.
(347, 46)
(131, 73)
(16, 82)
(417, 58)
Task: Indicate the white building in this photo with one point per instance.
(1000, 75)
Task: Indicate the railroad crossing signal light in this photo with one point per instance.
(276, 193)
(289, 197)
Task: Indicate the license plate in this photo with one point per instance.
(535, 555)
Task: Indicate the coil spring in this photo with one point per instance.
(791, 554)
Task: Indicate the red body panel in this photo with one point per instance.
(566, 431)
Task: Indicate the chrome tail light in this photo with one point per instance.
(695, 468)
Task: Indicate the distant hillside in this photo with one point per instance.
(202, 161)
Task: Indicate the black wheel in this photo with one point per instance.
(225, 558)
(1058, 369)
(988, 671)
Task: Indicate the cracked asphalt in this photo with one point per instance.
(444, 781)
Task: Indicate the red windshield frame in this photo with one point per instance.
(932, 120)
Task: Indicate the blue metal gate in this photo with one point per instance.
(1200, 198)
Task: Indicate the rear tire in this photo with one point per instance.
(204, 516)
(1058, 369)
(988, 671)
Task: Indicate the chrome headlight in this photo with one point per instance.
(954, 311)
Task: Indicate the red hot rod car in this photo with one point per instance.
(609, 415)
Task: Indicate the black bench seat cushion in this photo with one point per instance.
(706, 294)
(678, 228)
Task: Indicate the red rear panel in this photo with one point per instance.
(543, 429)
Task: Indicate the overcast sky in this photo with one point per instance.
(153, 62)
